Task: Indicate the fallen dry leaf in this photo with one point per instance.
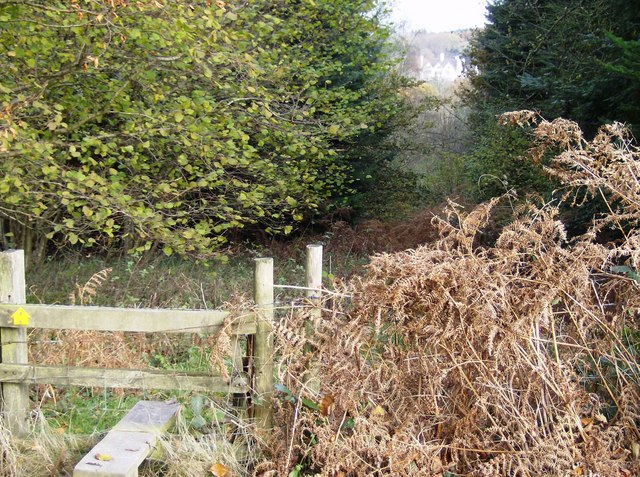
(326, 405)
(587, 423)
(219, 470)
(103, 457)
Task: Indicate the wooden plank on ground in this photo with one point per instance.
(131, 441)
(117, 378)
(149, 416)
(146, 320)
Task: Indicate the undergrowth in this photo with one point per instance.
(479, 351)
(458, 357)
(67, 421)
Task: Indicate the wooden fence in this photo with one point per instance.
(16, 317)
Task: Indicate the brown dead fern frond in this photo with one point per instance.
(607, 167)
(502, 359)
(88, 348)
(84, 294)
(519, 118)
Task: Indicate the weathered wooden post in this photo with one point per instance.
(314, 295)
(15, 396)
(314, 272)
(263, 343)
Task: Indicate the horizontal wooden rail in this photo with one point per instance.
(16, 318)
(100, 318)
(117, 378)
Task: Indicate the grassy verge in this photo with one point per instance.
(171, 282)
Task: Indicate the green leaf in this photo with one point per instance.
(628, 271)
(281, 388)
(198, 422)
(197, 404)
(291, 201)
(296, 471)
(310, 404)
(349, 423)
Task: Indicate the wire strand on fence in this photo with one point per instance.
(321, 290)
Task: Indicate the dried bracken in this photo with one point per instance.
(84, 294)
(87, 348)
(514, 359)
(374, 236)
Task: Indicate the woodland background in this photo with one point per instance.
(160, 146)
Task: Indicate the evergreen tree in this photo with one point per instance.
(568, 59)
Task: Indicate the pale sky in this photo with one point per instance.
(438, 15)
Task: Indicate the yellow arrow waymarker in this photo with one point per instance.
(20, 317)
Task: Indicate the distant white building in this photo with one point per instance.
(446, 70)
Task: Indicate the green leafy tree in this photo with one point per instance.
(133, 125)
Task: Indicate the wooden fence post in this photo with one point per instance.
(15, 397)
(263, 343)
(314, 295)
(314, 271)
